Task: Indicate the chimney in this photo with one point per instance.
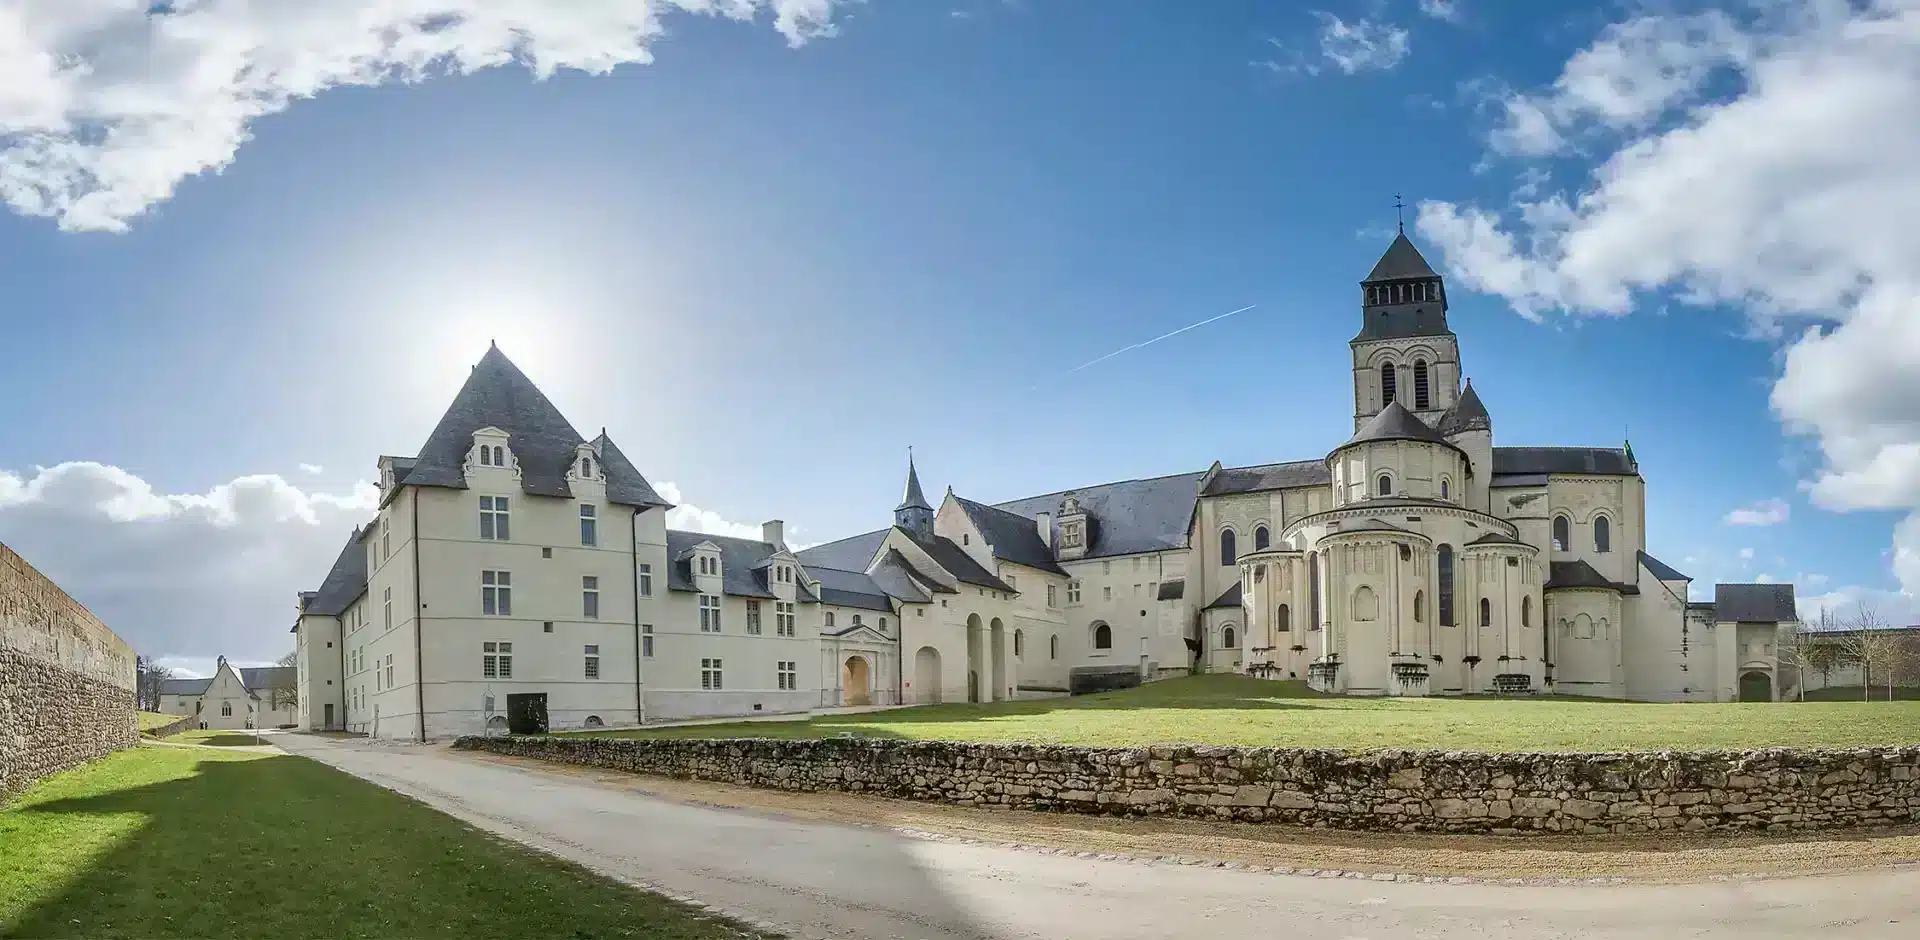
(1045, 521)
(775, 532)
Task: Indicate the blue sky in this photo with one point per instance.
(784, 251)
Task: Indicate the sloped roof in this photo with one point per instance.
(913, 499)
(497, 394)
(1129, 516)
(850, 589)
(1603, 461)
(897, 576)
(853, 553)
(1012, 537)
(1401, 260)
(1764, 603)
(1495, 538)
(1228, 598)
(185, 686)
(1579, 574)
(262, 678)
(1396, 423)
(345, 581)
(1272, 476)
(626, 486)
(1660, 569)
(740, 559)
(1173, 589)
(1467, 414)
(958, 563)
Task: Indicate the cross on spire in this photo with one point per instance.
(1399, 214)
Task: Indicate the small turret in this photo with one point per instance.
(913, 514)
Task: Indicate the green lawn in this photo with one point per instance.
(1901, 693)
(1241, 710)
(151, 720)
(191, 842)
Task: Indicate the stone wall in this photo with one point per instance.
(66, 681)
(1409, 791)
(170, 729)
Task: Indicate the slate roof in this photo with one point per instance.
(1764, 603)
(1401, 260)
(1272, 476)
(345, 581)
(1367, 525)
(185, 686)
(913, 499)
(1012, 537)
(1396, 423)
(497, 394)
(1173, 590)
(1604, 461)
(1228, 598)
(1508, 480)
(1579, 574)
(742, 573)
(261, 678)
(853, 553)
(1129, 516)
(1495, 538)
(1467, 414)
(958, 563)
(1660, 569)
(850, 589)
(897, 576)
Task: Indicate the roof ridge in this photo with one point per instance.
(1095, 486)
(728, 538)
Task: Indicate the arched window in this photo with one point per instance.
(1260, 538)
(1366, 604)
(1102, 637)
(1387, 378)
(1602, 534)
(1446, 488)
(1526, 612)
(1053, 647)
(499, 456)
(586, 467)
(1313, 590)
(1383, 486)
(1019, 643)
(1419, 607)
(1562, 533)
(1486, 612)
(1420, 396)
(1227, 554)
(1283, 620)
(1445, 598)
(1227, 638)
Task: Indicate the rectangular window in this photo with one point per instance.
(593, 662)
(787, 674)
(646, 580)
(493, 518)
(1073, 592)
(1053, 595)
(646, 640)
(709, 613)
(782, 618)
(710, 674)
(589, 533)
(386, 547)
(753, 618)
(496, 593)
(389, 670)
(590, 597)
(386, 595)
(1106, 592)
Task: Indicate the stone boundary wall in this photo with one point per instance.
(66, 681)
(186, 722)
(1407, 791)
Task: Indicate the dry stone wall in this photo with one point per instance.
(1408, 791)
(66, 681)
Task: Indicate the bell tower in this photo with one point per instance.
(913, 514)
(1404, 351)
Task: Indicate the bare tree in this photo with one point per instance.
(1875, 648)
(148, 679)
(1794, 650)
(286, 691)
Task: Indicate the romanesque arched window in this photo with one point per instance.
(1053, 647)
(1261, 538)
(1227, 554)
(1446, 585)
(1283, 620)
(1387, 378)
(1562, 534)
(1419, 607)
(1383, 486)
(1602, 534)
(1227, 638)
(1446, 488)
(1366, 604)
(1421, 398)
(1486, 612)
(1102, 637)
(1019, 643)
(1526, 612)
(1313, 590)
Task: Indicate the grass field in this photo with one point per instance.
(1245, 711)
(220, 738)
(154, 719)
(191, 842)
(1901, 693)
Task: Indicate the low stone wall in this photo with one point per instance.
(1409, 791)
(170, 729)
(66, 681)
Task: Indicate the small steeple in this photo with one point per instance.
(1467, 414)
(914, 499)
(913, 514)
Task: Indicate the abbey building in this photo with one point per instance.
(521, 575)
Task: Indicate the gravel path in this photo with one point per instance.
(817, 878)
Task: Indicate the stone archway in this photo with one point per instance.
(1756, 687)
(926, 675)
(997, 660)
(856, 682)
(976, 656)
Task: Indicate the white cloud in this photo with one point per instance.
(1763, 513)
(1448, 10)
(106, 105)
(690, 518)
(1746, 554)
(192, 575)
(312, 469)
(1363, 45)
(1764, 163)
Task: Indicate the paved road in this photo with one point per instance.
(823, 880)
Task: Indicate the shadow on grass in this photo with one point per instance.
(287, 847)
(235, 739)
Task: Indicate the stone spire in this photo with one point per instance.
(914, 514)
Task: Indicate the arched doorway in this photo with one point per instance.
(997, 659)
(856, 682)
(926, 675)
(1756, 687)
(976, 655)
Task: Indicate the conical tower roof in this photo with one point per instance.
(914, 499)
(1396, 423)
(1467, 414)
(1402, 260)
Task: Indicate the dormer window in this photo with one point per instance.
(586, 468)
(1071, 535)
(709, 565)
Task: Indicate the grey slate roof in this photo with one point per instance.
(958, 563)
(263, 678)
(1510, 480)
(1401, 260)
(1272, 476)
(897, 576)
(625, 484)
(853, 553)
(913, 499)
(1579, 574)
(1467, 414)
(850, 589)
(497, 394)
(1495, 538)
(1396, 423)
(1013, 537)
(345, 581)
(1228, 598)
(185, 686)
(1129, 516)
(740, 574)
(1173, 589)
(1764, 603)
(1604, 461)
(1660, 569)
(1367, 525)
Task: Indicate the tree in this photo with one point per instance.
(1875, 648)
(286, 691)
(1794, 650)
(148, 679)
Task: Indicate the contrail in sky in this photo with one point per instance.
(1128, 349)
